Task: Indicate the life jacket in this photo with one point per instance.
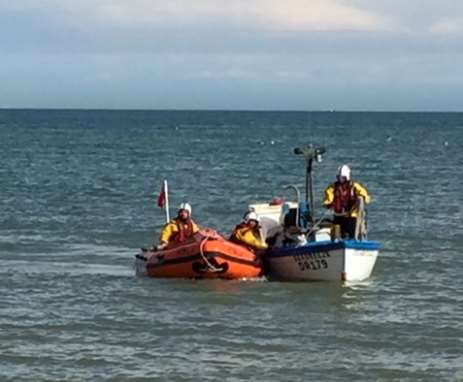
(241, 226)
(185, 230)
(344, 197)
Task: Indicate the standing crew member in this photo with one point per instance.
(179, 229)
(247, 233)
(343, 198)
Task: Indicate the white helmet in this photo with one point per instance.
(344, 171)
(186, 207)
(251, 216)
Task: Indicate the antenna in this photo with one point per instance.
(310, 153)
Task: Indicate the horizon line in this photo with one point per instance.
(2, 108)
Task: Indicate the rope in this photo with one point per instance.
(360, 227)
(201, 251)
(317, 223)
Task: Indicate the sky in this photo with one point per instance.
(404, 55)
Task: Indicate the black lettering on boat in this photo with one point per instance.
(299, 262)
(307, 265)
(311, 261)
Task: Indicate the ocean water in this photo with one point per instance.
(78, 198)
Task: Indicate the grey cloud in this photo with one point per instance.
(51, 58)
(58, 30)
(415, 16)
(253, 81)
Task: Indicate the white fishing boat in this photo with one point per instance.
(344, 260)
(309, 251)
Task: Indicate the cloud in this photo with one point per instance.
(265, 14)
(233, 54)
(447, 27)
(237, 82)
(301, 15)
(295, 27)
(200, 26)
(320, 15)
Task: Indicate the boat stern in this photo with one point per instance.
(359, 260)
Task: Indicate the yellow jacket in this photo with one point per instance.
(170, 231)
(242, 234)
(359, 190)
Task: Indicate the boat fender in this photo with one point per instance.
(277, 202)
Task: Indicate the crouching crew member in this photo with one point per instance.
(247, 233)
(343, 198)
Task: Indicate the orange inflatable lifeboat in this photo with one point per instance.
(205, 255)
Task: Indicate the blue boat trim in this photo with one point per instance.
(323, 246)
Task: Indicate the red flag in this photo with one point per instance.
(162, 196)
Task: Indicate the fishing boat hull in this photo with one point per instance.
(203, 257)
(323, 261)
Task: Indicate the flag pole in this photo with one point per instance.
(166, 190)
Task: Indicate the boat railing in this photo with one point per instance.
(316, 226)
(360, 224)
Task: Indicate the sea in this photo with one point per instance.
(78, 192)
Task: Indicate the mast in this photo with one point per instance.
(310, 153)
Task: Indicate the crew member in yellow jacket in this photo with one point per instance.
(247, 233)
(343, 198)
(179, 229)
